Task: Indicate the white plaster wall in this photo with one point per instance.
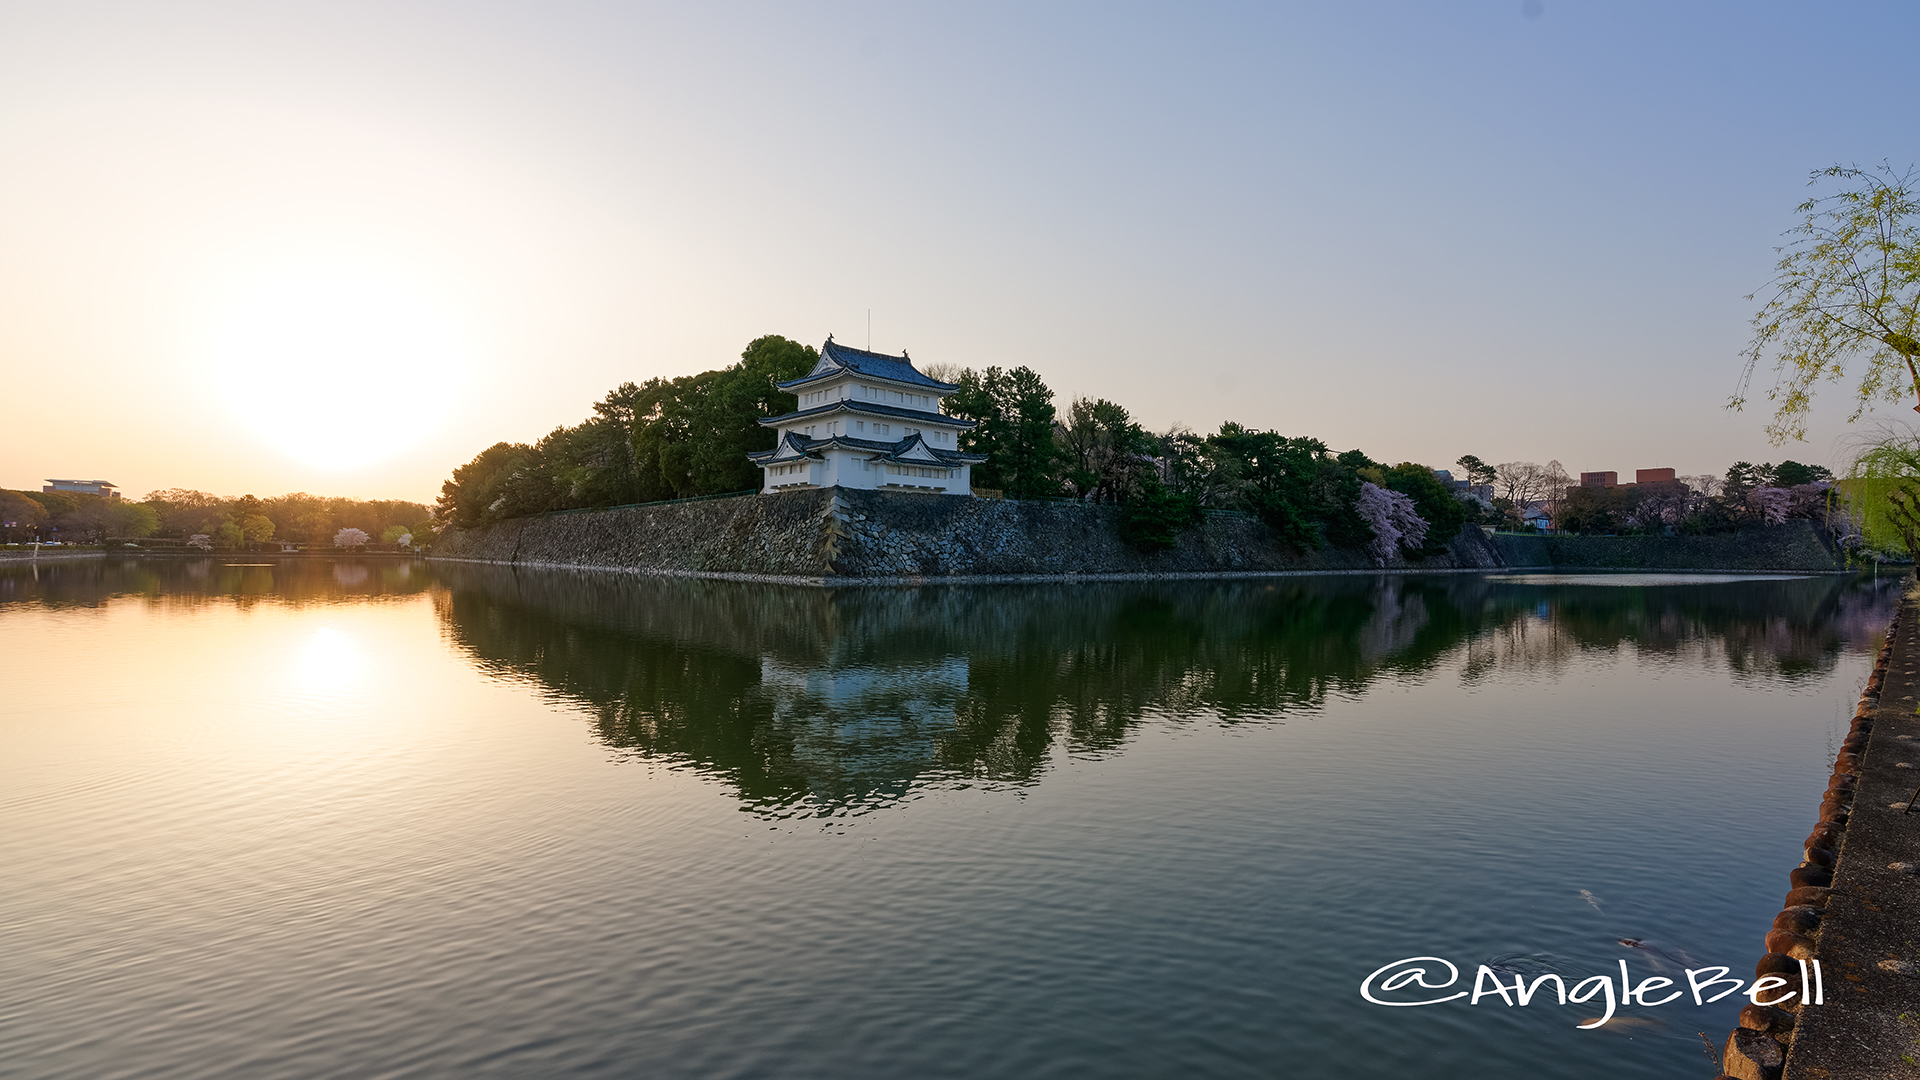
(844, 470)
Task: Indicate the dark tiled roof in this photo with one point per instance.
(950, 457)
(893, 412)
(835, 357)
(892, 450)
(798, 443)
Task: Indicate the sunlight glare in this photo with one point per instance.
(331, 660)
(335, 364)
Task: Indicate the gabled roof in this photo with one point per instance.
(794, 445)
(914, 448)
(891, 412)
(911, 449)
(836, 358)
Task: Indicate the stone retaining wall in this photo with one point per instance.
(1852, 906)
(1854, 903)
(841, 534)
(1797, 545)
(23, 556)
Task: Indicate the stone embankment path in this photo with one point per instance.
(1855, 904)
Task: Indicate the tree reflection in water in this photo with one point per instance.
(816, 702)
(238, 579)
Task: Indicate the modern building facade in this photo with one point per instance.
(83, 487)
(1640, 476)
(867, 420)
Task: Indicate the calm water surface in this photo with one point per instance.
(325, 820)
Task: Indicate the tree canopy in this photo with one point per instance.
(1883, 484)
(296, 517)
(660, 439)
(1014, 414)
(1846, 288)
(87, 519)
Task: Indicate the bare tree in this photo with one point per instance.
(1704, 486)
(1519, 484)
(1659, 505)
(1701, 491)
(1556, 481)
(942, 371)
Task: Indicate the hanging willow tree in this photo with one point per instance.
(1883, 488)
(1846, 291)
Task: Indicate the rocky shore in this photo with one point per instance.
(1853, 903)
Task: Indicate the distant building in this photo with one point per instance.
(1481, 493)
(1660, 480)
(1640, 476)
(867, 420)
(84, 487)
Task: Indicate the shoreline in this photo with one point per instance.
(7, 557)
(832, 535)
(841, 580)
(1853, 898)
(829, 581)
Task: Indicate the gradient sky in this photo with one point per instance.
(342, 248)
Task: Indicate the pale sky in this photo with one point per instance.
(344, 247)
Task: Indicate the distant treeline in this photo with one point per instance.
(1521, 492)
(684, 437)
(181, 514)
(1748, 495)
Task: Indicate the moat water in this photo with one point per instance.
(385, 820)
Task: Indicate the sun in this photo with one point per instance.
(336, 364)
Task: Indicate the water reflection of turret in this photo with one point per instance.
(862, 732)
(817, 701)
(843, 697)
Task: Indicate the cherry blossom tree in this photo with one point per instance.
(1393, 519)
(350, 538)
(1771, 504)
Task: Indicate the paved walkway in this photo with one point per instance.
(1869, 945)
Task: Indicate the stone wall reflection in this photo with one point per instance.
(820, 702)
